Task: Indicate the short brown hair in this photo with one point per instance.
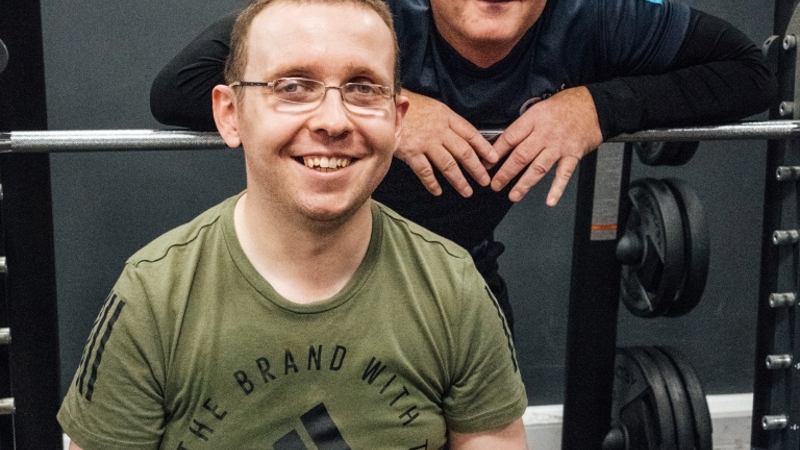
(237, 58)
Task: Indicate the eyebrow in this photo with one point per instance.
(313, 71)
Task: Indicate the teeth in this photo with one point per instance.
(326, 163)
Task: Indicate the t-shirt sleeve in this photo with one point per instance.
(641, 36)
(115, 400)
(487, 390)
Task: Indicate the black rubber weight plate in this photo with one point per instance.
(679, 399)
(665, 153)
(641, 402)
(697, 398)
(649, 288)
(696, 248)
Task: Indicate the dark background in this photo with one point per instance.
(100, 58)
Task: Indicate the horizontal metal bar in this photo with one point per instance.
(107, 140)
(139, 140)
(770, 129)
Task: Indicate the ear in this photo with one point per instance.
(224, 105)
(401, 106)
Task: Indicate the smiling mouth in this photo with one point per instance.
(325, 163)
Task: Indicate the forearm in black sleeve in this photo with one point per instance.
(181, 92)
(719, 77)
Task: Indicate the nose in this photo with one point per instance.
(331, 117)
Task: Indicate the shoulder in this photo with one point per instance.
(186, 236)
(402, 230)
(411, 22)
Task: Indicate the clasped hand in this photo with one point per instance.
(557, 131)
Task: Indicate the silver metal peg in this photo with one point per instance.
(3, 56)
(7, 406)
(787, 173)
(3, 266)
(782, 300)
(5, 336)
(786, 109)
(789, 42)
(777, 422)
(785, 237)
(777, 362)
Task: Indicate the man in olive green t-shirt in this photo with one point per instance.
(300, 313)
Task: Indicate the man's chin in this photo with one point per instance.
(326, 215)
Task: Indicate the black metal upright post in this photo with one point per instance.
(29, 307)
(775, 390)
(594, 299)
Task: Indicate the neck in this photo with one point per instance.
(304, 261)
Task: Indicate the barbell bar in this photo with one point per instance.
(107, 140)
(135, 140)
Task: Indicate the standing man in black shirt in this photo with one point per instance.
(558, 76)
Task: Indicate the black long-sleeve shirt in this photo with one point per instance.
(646, 65)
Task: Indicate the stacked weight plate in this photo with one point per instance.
(658, 403)
(664, 249)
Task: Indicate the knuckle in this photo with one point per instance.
(519, 157)
(425, 172)
(448, 165)
(463, 153)
(565, 174)
(539, 169)
(510, 136)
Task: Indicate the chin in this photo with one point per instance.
(329, 213)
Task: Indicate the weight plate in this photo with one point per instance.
(640, 404)
(696, 246)
(665, 153)
(651, 279)
(697, 398)
(681, 410)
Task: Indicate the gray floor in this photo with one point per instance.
(730, 415)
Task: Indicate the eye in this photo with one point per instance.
(363, 88)
(295, 87)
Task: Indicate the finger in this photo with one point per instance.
(519, 158)
(422, 168)
(566, 167)
(464, 154)
(510, 138)
(533, 174)
(474, 138)
(448, 166)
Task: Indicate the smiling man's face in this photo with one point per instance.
(322, 163)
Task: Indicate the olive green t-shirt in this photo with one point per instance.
(195, 350)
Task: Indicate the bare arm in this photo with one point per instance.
(511, 437)
(73, 446)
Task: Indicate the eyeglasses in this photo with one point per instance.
(302, 94)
